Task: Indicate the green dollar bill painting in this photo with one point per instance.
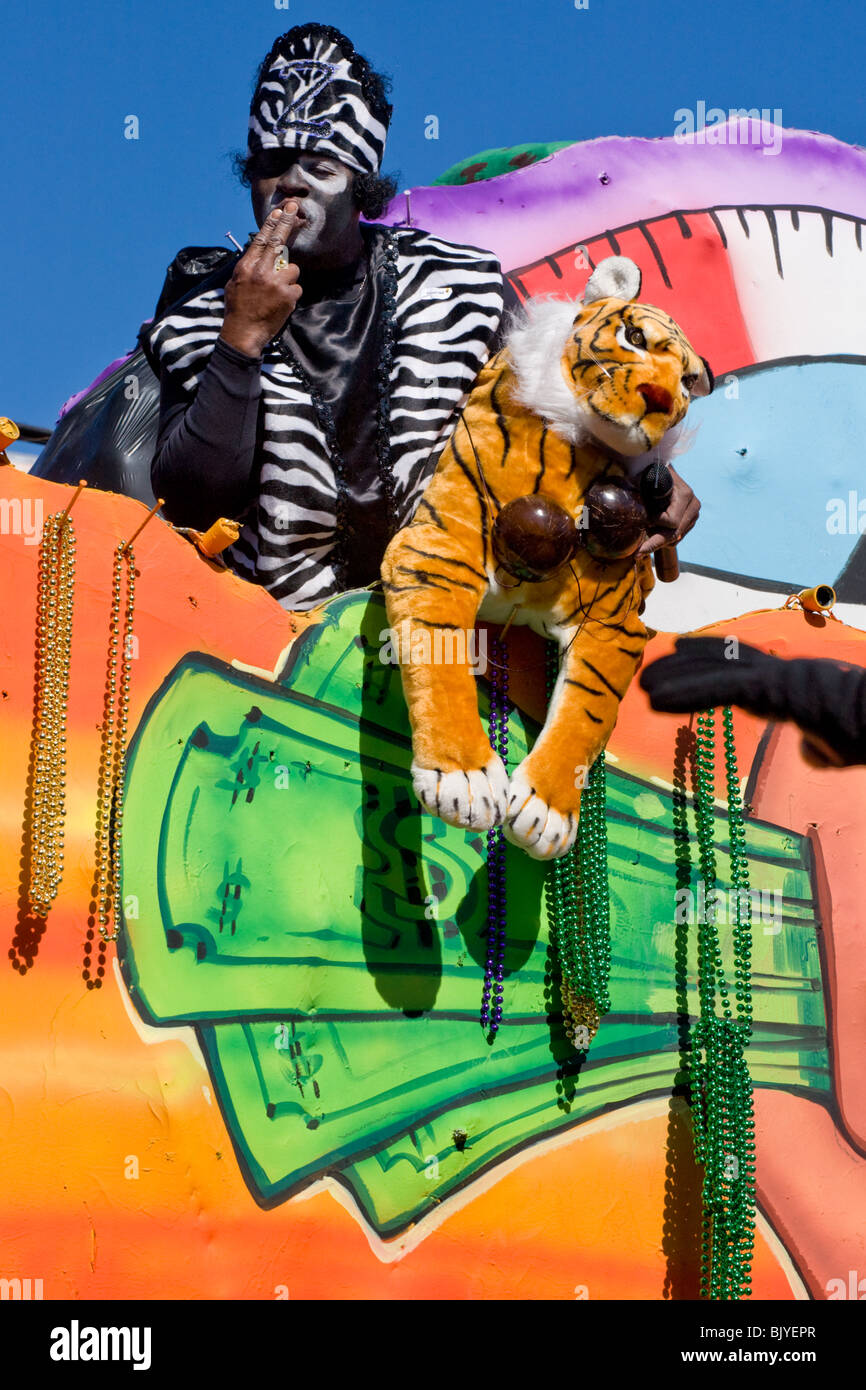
(326, 938)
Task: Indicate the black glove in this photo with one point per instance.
(824, 698)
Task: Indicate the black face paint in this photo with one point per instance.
(329, 235)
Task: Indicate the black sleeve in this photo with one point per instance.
(205, 465)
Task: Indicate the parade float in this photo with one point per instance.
(246, 984)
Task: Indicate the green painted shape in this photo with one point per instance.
(488, 164)
(288, 919)
(403, 1099)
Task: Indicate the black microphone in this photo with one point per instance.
(656, 489)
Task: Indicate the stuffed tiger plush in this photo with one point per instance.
(580, 391)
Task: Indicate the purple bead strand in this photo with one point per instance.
(497, 907)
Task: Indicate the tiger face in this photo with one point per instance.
(633, 373)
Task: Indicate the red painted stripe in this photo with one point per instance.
(702, 296)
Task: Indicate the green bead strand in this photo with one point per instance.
(578, 905)
(720, 1084)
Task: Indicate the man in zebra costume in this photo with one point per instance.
(310, 394)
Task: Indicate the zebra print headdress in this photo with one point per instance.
(315, 93)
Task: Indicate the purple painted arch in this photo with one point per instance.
(589, 187)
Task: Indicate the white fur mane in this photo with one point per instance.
(535, 340)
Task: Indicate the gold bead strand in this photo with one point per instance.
(104, 795)
(38, 839)
(65, 593)
(55, 605)
(112, 762)
(48, 719)
(121, 737)
(112, 759)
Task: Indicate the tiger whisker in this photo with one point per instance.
(598, 364)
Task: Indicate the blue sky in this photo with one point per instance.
(91, 219)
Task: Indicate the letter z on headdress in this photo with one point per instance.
(311, 98)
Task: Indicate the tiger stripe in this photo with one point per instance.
(504, 450)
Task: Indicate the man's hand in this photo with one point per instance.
(677, 521)
(259, 298)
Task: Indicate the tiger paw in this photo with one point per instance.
(475, 799)
(533, 824)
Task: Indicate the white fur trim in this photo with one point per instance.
(535, 343)
(678, 440)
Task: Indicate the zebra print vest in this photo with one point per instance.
(449, 301)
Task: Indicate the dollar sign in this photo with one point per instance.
(230, 893)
